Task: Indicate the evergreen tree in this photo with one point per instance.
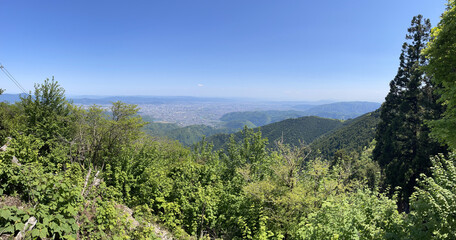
(403, 143)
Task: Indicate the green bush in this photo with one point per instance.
(361, 215)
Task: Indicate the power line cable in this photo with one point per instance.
(10, 76)
(12, 79)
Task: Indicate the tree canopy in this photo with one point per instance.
(441, 53)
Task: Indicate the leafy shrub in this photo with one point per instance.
(362, 215)
(433, 205)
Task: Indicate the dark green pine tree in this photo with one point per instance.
(403, 143)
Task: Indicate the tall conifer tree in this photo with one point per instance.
(403, 144)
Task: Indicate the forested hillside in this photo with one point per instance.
(292, 131)
(324, 136)
(235, 121)
(353, 136)
(260, 118)
(188, 135)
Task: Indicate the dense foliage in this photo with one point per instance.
(96, 176)
(441, 54)
(359, 215)
(434, 202)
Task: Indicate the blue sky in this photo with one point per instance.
(276, 50)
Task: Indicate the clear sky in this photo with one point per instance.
(268, 49)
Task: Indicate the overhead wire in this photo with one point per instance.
(11, 77)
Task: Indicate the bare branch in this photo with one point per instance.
(29, 225)
(86, 181)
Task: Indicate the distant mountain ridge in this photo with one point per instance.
(339, 110)
(343, 110)
(261, 118)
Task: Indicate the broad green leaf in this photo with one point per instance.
(5, 213)
(35, 232)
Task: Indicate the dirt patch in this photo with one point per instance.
(8, 201)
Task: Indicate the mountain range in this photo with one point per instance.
(338, 110)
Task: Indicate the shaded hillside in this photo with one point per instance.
(192, 134)
(353, 135)
(158, 129)
(238, 124)
(186, 135)
(260, 118)
(293, 131)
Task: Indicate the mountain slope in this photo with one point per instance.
(353, 135)
(186, 135)
(260, 118)
(293, 131)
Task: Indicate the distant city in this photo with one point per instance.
(201, 112)
(186, 111)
